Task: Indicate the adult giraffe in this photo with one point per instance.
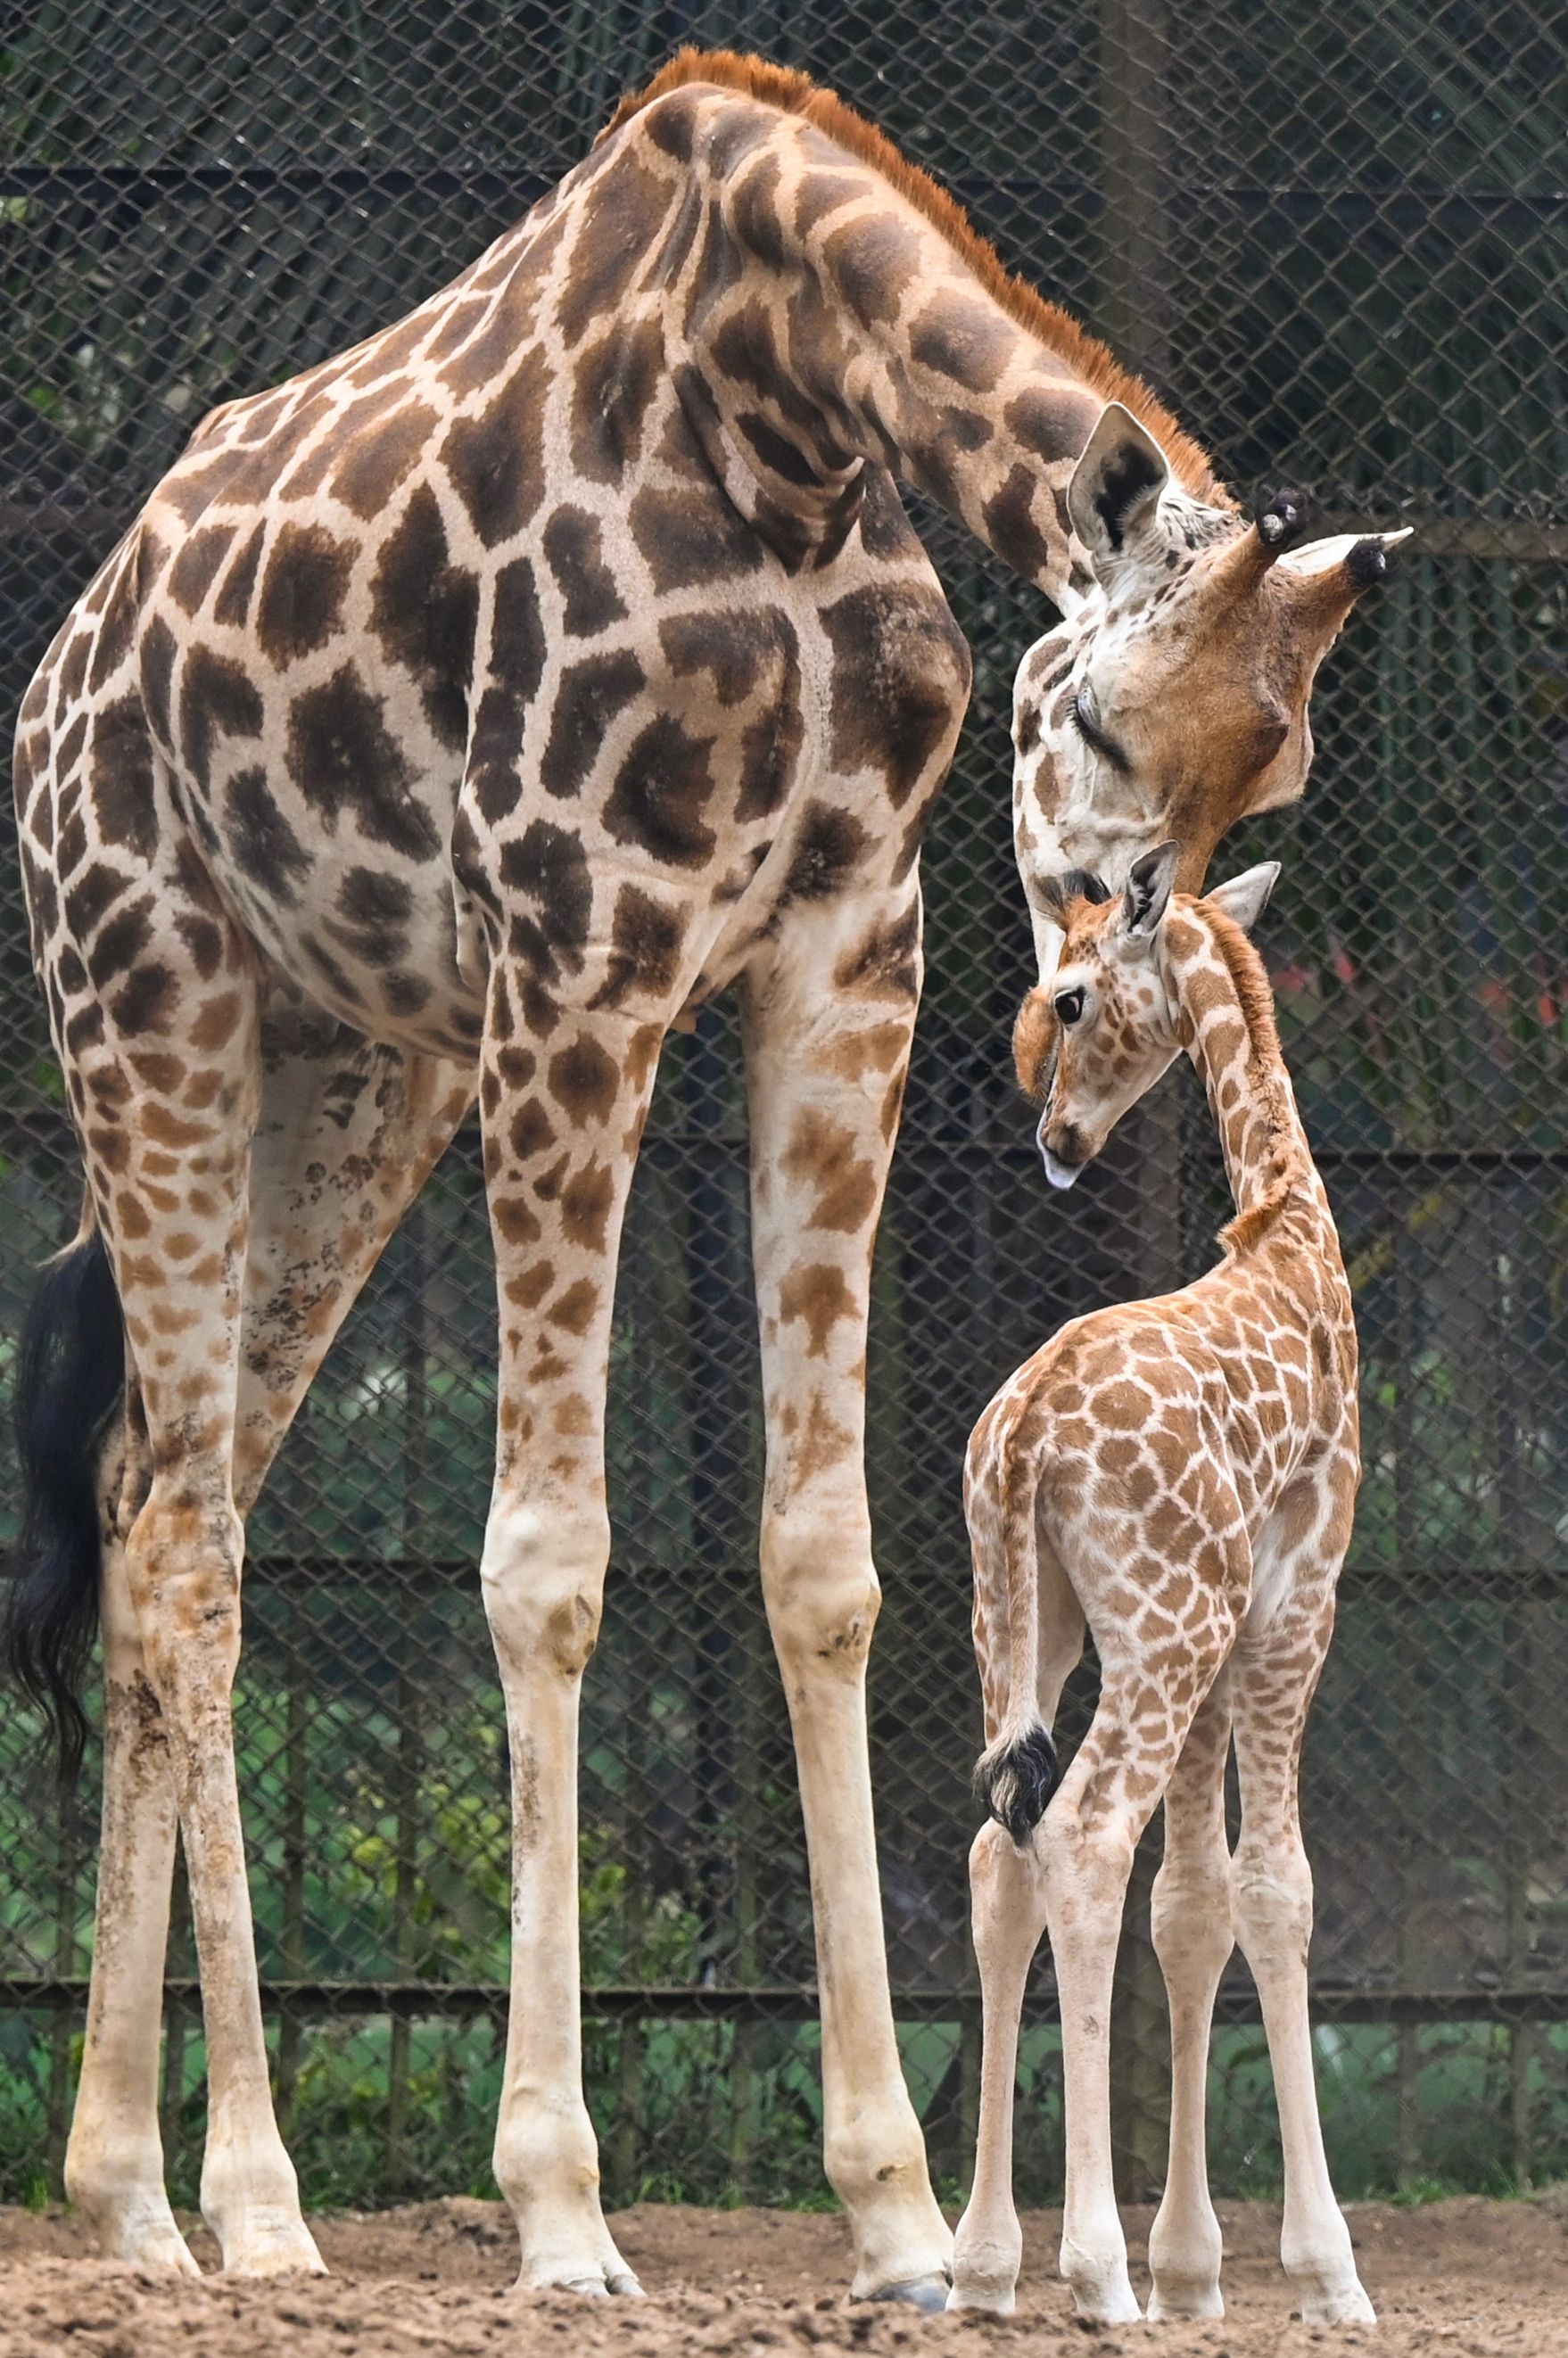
(458, 714)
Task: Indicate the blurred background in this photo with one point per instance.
(1335, 236)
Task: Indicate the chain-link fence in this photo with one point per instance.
(1337, 237)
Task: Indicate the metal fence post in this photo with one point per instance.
(1521, 1814)
(297, 1773)
(1133, 310)
(412, 1682)
(1405, 1709)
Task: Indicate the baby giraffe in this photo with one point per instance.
(1181, 1474)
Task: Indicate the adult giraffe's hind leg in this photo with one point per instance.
(349, 1130)
(829, 1026)
(168, 1141)
(346, 1135)
(114, 2161)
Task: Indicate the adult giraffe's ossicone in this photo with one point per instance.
(453, 718)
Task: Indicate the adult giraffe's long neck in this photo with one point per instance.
(1226, 1009)
(826, 305)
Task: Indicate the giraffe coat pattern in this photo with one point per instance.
(455, 718)
(1180, 1476)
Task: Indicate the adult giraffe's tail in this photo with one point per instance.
(1018, 1771)
(70, 1370)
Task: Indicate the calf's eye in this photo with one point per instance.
(1069, 1005)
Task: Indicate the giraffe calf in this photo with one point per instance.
(1180, 1476)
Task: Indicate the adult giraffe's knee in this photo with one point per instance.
(1272, 1901)
(821, 1591)
(183, 1555)
(1190, 1915)
(543, 1576)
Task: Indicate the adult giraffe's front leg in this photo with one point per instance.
(563, 1112)
(828, 1025)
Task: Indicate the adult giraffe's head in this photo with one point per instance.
(1172, 699)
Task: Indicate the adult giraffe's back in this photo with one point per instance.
(453, 716)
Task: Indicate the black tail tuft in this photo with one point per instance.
(70, 1370)
(1017, 1782)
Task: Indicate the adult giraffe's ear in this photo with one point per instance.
(1246, 897)
(1113, 499)
(1147, 891)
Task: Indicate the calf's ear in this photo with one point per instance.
(1147, 891)
(1245, 896)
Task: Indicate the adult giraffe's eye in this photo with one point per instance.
(1069, 1005)
(1086, 720)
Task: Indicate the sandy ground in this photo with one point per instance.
(431, 2281)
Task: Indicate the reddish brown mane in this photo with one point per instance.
(1089, 359)
(1250, 977)
(1256, 1000)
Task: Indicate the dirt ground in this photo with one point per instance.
(1466, 2280)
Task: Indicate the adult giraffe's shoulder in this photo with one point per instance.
(453, 718)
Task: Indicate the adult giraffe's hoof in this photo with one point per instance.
(1169, 2303)
(983, 2299)
(267, 2249)
(601, 2283)
(167, 2255)
(928, 2294)
(128, 2221)
(1105, 2298)
(1347, 2305)
(155, 2245)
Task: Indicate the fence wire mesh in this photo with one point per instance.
(1336, 237)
